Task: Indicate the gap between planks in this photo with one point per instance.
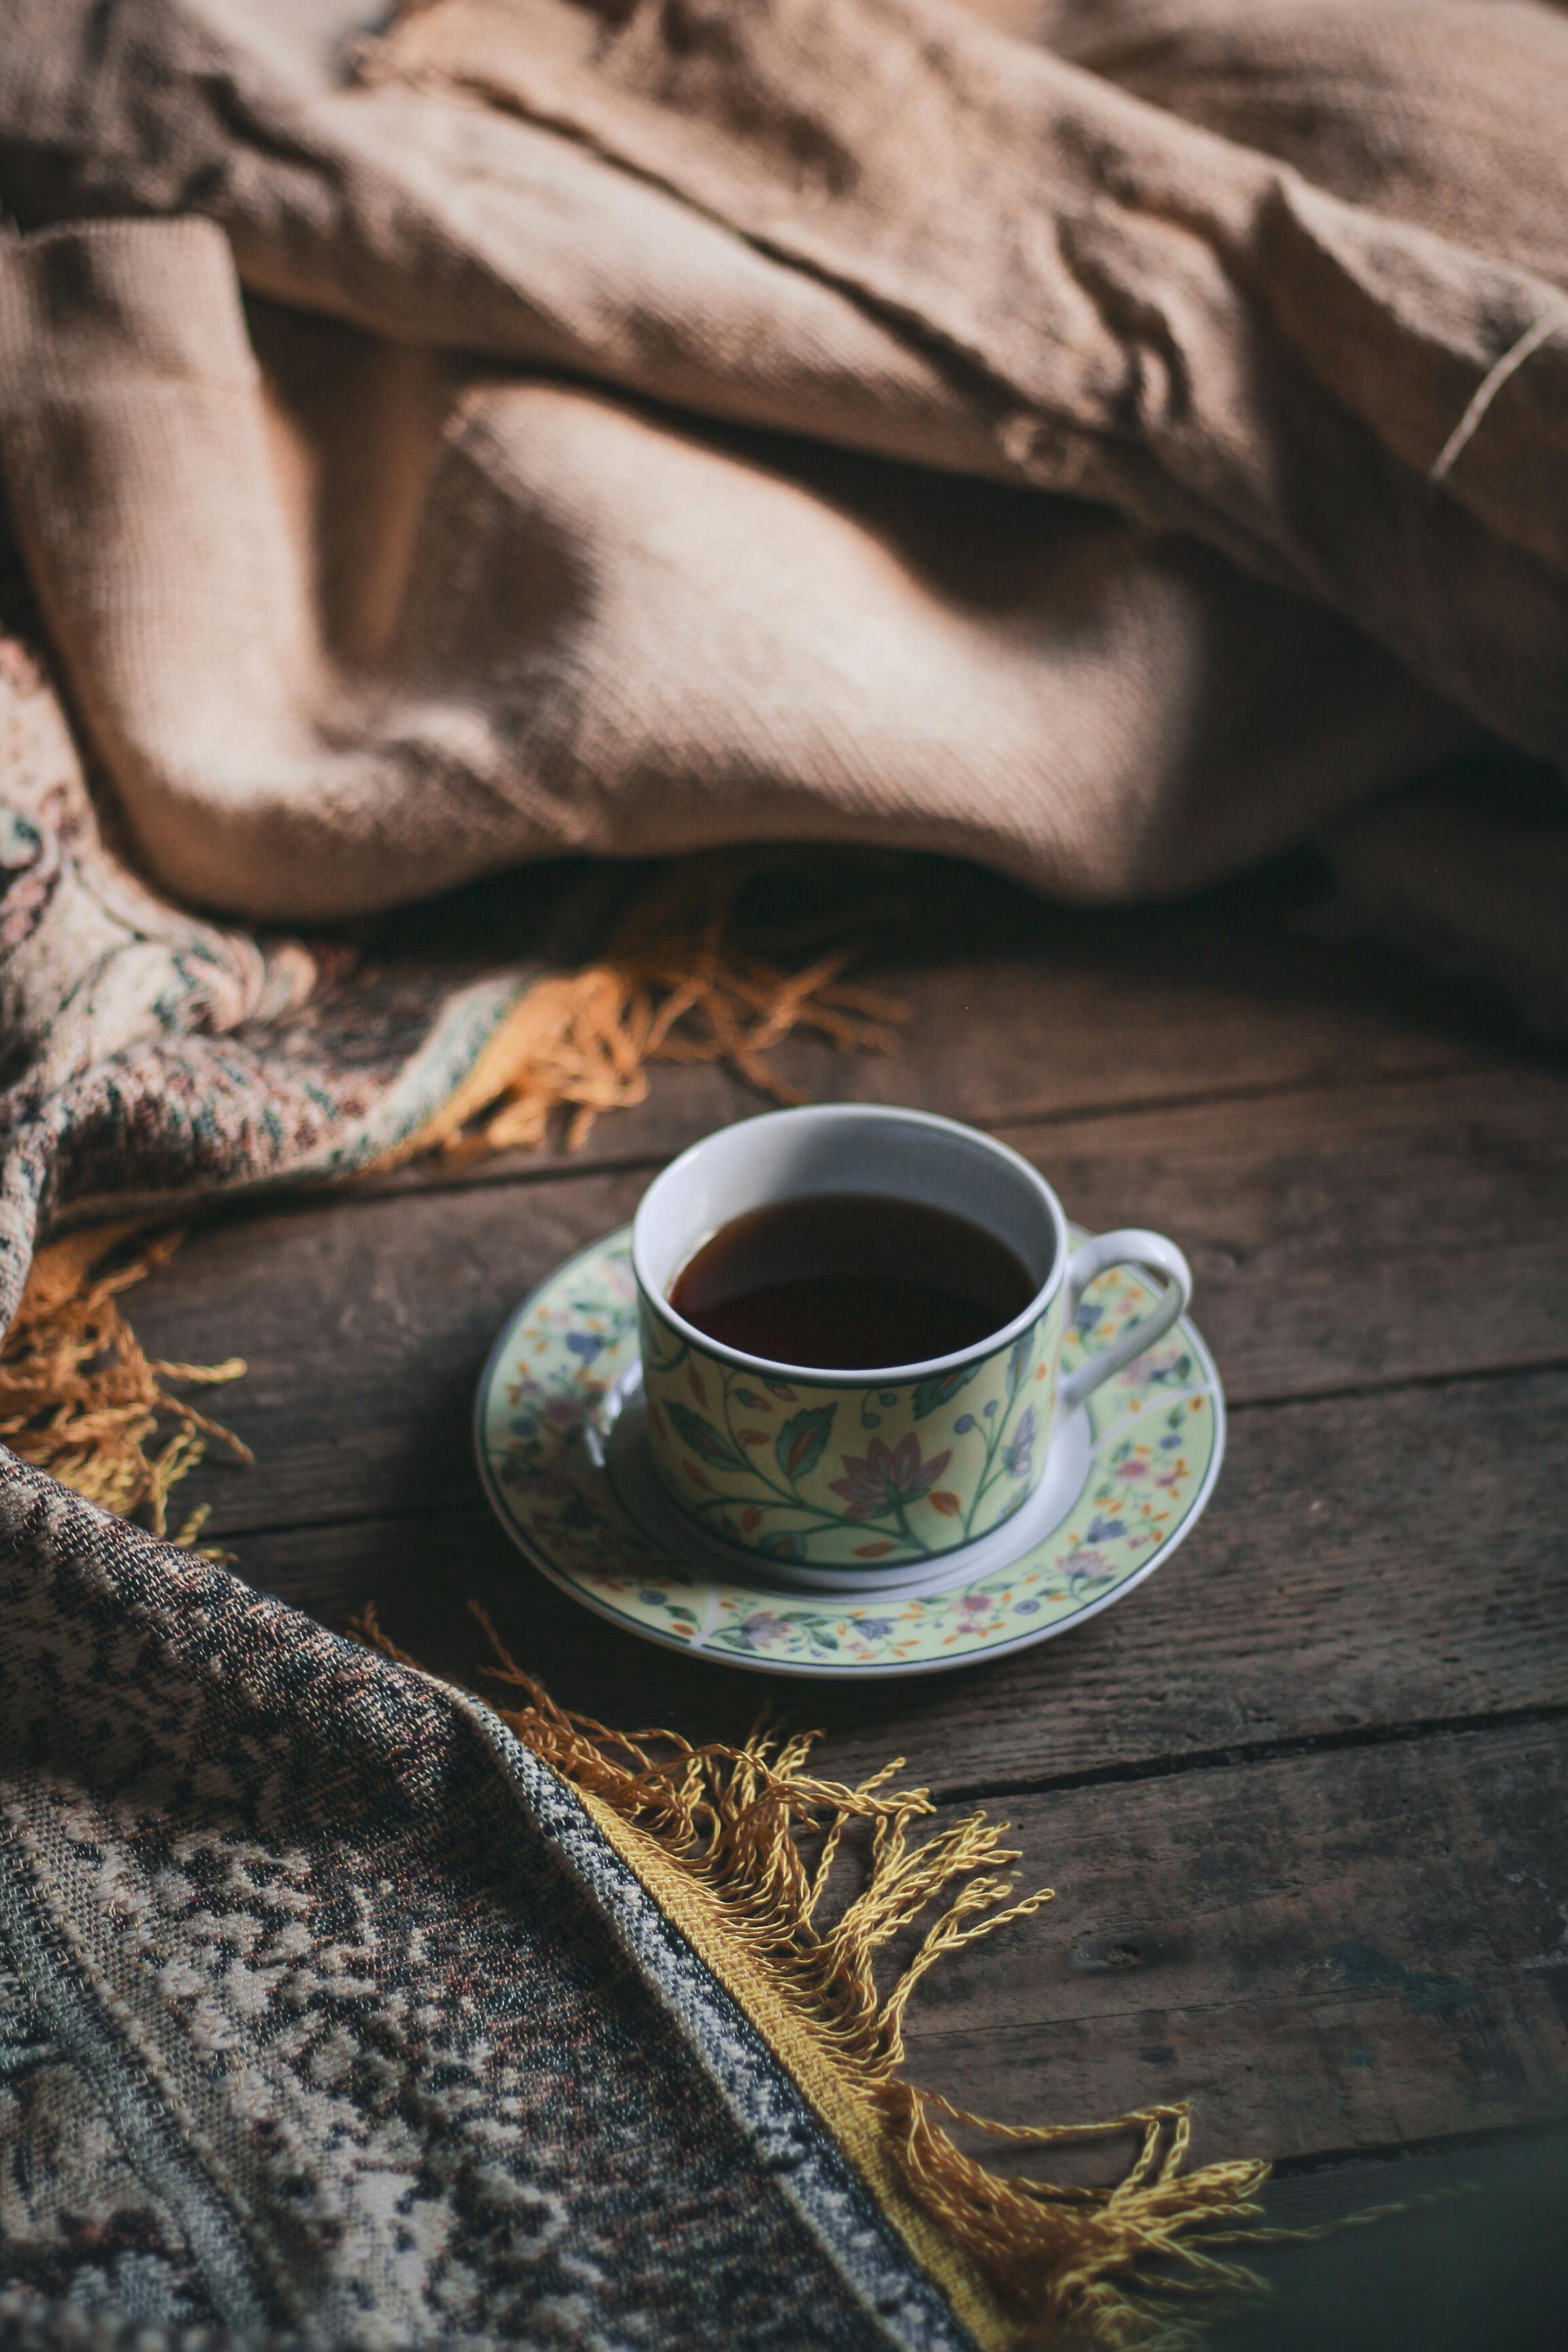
(1336, 1261)
(1177, 1764)
(548, 1165)
(1394, 1912)
(1324, 1621)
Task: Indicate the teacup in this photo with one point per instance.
(877, 1467)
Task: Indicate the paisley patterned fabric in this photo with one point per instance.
(282, 2051)
(151, 1057)
(327, 2011)
(331, 2012)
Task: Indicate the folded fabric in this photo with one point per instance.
(595, 460)
(331, 2011)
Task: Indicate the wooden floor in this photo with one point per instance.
(1301, 1795)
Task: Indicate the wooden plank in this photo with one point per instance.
(1358, 1948)
(1475, 2257)
(1391, 1559)
(1310, 2193)
(1154, 1004)
(1024, 1010)
(365, 1325)
(1287, 1883)
(1338, 1239)
(1369, 1234)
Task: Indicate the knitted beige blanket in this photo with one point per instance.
(534, 426)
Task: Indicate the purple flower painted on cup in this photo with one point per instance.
(885, 1476)
(1019, 1453)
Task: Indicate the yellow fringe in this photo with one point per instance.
(81, 1397)
(670, 988)
(718, 1836)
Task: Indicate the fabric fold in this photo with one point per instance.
(291, 1922)
(461, 611)
(1212, 345)
(348, 2013)
(346, 624)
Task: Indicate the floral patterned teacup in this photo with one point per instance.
(870, 1469)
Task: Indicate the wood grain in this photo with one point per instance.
(1364, 1562)
(1476, 2256)
(1017, 1011)
(1358, 1948)
(1372, 1235)
(1302, 1794)
(1368, 1235)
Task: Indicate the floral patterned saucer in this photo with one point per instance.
(1133, 1481)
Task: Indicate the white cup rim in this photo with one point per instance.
(849, 1376)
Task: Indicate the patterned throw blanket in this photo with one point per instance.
(527, 428)
(328, 2009)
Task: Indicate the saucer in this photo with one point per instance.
(558, 1434)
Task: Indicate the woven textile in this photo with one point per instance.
(330, 2007)
(326, 2009)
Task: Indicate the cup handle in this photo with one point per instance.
(1128, 1246)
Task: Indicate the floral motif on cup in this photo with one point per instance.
(801, 1472)
(545, 1417)
(886, 1477)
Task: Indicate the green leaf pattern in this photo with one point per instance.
(803, 1440)
(703, 1439)
(941, 1388)
(1159, 1435)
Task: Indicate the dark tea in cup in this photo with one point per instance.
(840, 1281)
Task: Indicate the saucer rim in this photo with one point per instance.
(904, 1670)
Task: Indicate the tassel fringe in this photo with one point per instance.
(721, 1837)
(81, 1397)
(669, 989)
